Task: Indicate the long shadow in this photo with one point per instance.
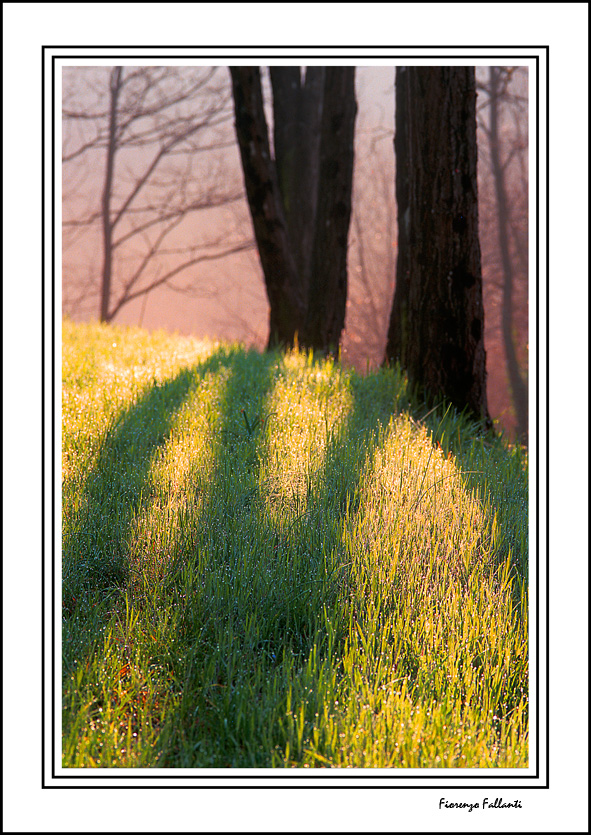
(289, 615)
(280, 617)
(216, 552)
(218, 534)
(116, 490)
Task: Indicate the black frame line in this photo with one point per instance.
(291, 47)
(43, 422)
(320, 782)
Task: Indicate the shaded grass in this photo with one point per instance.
(269, 561)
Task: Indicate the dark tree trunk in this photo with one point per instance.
(437, 324)
(266, 208)
(327, 299)
(115, 87)
(516, 383)
(300, 201)
(297, 109)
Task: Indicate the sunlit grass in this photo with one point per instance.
(269, 561)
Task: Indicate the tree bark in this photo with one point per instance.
(437, 323)
(297, 109)
(327, 299)
(517, 385)
(284, 291)
(115, 87)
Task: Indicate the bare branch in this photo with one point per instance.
(150, 123)
(171, 273)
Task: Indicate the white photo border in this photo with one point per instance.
(536, 776)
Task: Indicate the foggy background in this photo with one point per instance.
(224, 298)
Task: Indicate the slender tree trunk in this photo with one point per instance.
(437, 323)
(398, 342)
(115, 87)
(264, 197)
(328, 275)
(516, 383)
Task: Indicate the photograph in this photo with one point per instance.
(295, 417)
(295, 428)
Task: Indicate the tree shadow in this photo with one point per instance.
(117, 489)
(248, 589)
(94, 557)
(257, 586)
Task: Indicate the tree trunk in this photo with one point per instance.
(115, 87)
(328, 275)
(297, 109)
(264, 198)
(516, 383)
(437, 323)
(300, 201)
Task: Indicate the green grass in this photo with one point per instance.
(272, 562)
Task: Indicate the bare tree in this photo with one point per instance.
(372, 248)
(510, 243)
(437, 324)
(300, 198)
(147, 138)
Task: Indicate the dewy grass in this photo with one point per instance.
(271, 562)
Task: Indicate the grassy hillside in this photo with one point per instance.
(269, 561)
